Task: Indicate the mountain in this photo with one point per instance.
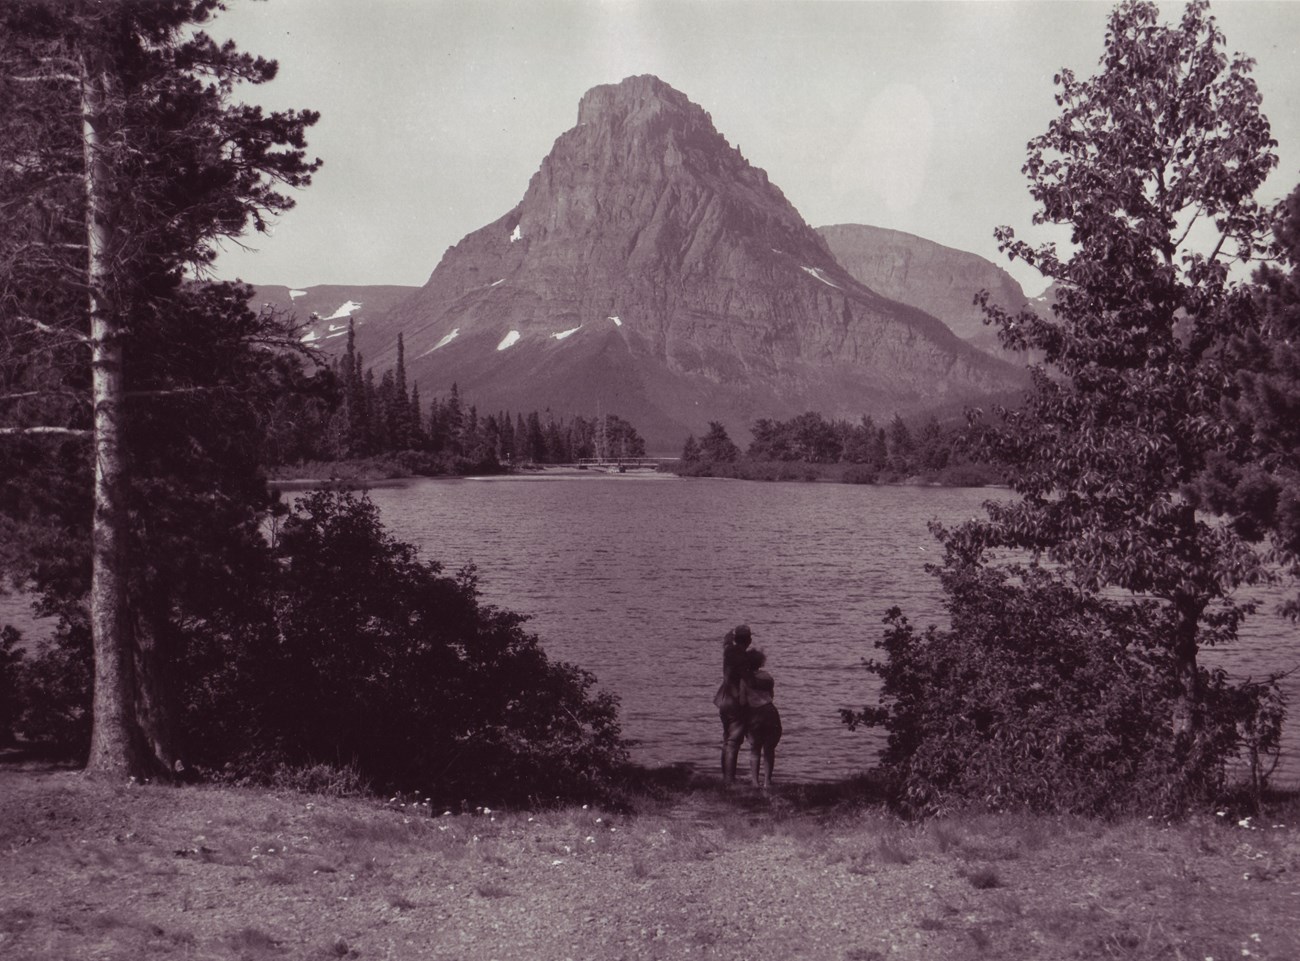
(652, 272)
(940, 280)
(324, 311)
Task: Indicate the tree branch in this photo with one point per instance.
(41, 78)
(54, 331)
(39, 393)
(33, 431)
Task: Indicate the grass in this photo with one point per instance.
(110, 871)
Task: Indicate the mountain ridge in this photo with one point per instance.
(652, 270)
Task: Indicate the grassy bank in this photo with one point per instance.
(114, 871)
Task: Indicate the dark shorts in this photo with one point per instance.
(764, 726)
(733, 725)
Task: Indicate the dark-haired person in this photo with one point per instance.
(728, 699)
(762, 720)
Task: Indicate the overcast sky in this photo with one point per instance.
(909, 115)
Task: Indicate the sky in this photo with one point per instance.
(907, 114)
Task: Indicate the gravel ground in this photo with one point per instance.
(91, 871)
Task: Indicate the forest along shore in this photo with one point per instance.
(124, 870)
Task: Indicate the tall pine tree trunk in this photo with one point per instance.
(115, 744)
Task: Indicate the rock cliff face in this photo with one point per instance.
(651, 270)
(940, 280)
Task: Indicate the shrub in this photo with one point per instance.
(1044, 698)
(54, 689)
(10, 656)
(375, 659)
(357, 662)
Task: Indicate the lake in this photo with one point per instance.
(636, 577)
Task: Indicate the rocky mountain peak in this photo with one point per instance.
(650, 270)
(637, 101)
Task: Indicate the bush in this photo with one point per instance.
(1040, 697)
(358, 662)
(53, 692)
(10, 656)
(379, 661)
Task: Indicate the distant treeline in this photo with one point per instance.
(810, 446)
(344, 414)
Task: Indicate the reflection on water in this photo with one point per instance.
(636, 578)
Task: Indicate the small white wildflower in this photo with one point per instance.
(598, 820)
(1255, 938)
(446, 814)
(584, 807)
(1221, 814)
(557, 861)
(590, 839)
(1244, 823)
(487, 810)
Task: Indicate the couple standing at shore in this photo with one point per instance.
(744, 702)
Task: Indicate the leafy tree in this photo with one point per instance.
(900, 445)
(691, 450)
(1041, 697)
(770, 440)
(137, 163)
(1165, 139)
(816, 440)
(1255, 476)
(716, 445)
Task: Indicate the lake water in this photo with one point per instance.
(636, 578)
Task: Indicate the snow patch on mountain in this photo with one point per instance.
(817, 273)
(567, 333)
(509, 340)
(447, 339)
(345, 310)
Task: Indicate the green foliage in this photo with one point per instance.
(1040, 697)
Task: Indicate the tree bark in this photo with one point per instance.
(115, 744)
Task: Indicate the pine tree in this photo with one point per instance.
(137, 163)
